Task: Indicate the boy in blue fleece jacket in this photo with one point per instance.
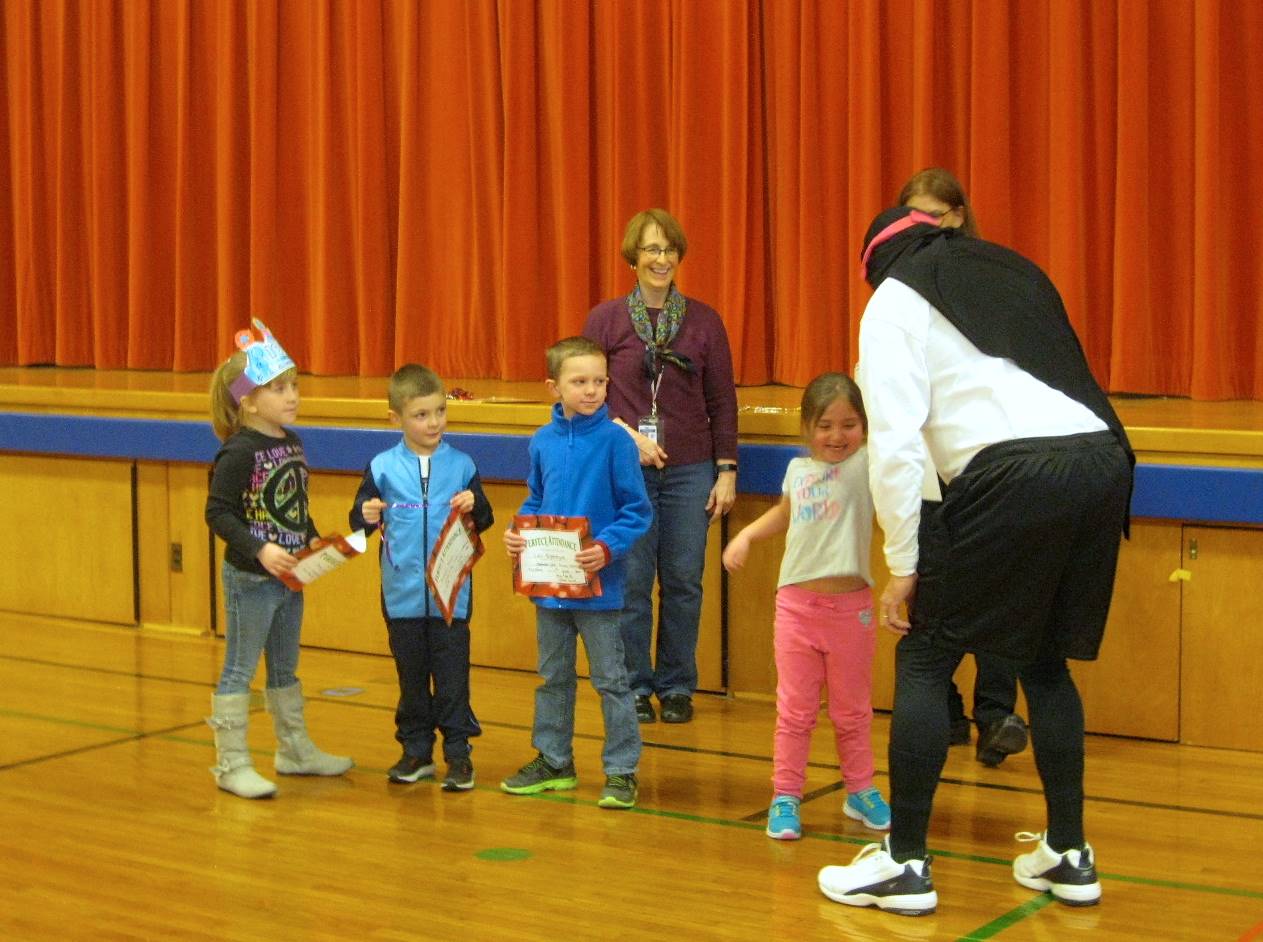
(409, 490)
(583, 465)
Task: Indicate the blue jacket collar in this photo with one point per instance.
(405, 451)
(580, 424)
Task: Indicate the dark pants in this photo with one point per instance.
(995, 693)
(432, 659)
(995, 683)
(1020, 559)
(1019, 563)
(919, 736)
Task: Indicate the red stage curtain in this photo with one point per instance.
(447, 180)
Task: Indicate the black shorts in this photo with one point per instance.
(1019, 559)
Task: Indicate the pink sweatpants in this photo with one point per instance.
(823, 639)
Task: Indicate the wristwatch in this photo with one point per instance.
(723, 466)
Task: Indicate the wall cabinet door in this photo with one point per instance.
(1222, 665)
(76, 560)
(1132, 689)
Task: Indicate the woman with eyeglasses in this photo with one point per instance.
(671, 387)
(1001, 731)
(938, 193)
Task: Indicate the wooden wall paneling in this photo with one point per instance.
(1221, 670)
(1132, 689)
(342, 610)
(752, 603)
(710, 630)
(191, 587)
(77, 560)
(503, 627)
(154, 543)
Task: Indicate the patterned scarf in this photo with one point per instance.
(656, 341)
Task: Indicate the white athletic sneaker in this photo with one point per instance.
(873, 878)
(1070, 877)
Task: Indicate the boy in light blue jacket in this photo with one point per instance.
(583, 465)
(409, 491)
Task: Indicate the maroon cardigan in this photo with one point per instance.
(699, 409)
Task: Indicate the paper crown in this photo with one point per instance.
(265, 360)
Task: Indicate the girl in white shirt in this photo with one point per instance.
(824, 604)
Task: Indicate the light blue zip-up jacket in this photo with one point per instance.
(395, 477)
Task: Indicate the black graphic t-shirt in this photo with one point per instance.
(258, 495)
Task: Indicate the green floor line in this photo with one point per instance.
(1009, 919)
(256, 698)
(65, 721)
(1006, 863)
(169, 735)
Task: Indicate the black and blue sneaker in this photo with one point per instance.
(874, 878)
(1069, 876)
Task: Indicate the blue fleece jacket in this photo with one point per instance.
(587, 466)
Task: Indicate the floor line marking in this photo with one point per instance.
(1009, 919)
(171, 734)
(1254, 932)
(675, 747)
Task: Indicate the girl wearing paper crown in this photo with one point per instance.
(258, 505)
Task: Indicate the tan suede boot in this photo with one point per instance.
(296, 754)
(234, 772)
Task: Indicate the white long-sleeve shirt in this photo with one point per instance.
(927, 388)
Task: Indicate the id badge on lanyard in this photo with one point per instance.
(651, 425)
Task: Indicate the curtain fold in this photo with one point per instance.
(392, 180)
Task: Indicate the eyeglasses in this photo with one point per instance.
(657, 251)
(938, 213)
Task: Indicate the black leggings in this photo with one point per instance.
(920, 730)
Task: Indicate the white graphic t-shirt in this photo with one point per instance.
(830, 519)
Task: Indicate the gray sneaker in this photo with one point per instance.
(620, 791)
(538, 776)
(410, 769)
(460, 775)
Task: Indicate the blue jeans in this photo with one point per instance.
(553, 732)
(674, 551)
(264, 617)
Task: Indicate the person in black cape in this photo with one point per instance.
(966, 352)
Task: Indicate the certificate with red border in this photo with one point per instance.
(324, 555)
(452, 559)
(547, 566)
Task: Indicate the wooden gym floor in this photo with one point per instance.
(112, 828)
